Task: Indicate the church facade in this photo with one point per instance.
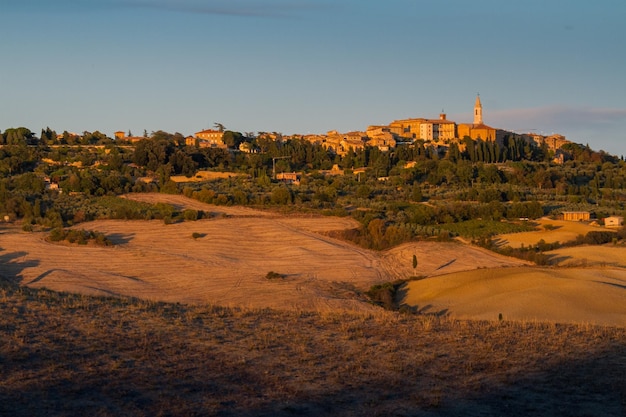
(444, 129)
(478, 129)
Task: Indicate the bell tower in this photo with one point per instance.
(478, 111)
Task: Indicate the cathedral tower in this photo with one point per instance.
(478, 111)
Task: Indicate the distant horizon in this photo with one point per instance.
(503, 113)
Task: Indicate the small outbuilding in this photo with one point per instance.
(614, 221)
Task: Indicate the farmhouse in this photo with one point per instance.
(210, 139)
(614, 221)
(576, 216)
(289, 177)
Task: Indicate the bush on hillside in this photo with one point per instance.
(599, 237)
(81, 237)
(274, 275)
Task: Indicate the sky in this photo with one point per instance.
(311, 66)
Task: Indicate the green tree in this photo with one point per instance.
(363, 191)
(416, 192)
(232, 139)
(281, 195)
(18, 136)
(48, 136)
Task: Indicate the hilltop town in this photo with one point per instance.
(439, 133)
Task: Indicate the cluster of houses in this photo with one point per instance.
(438, 132)
(441, 131)
(204, 139)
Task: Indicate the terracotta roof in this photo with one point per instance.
(419, 119)
(439, 121)
(482, 126)
(479, 126)
(209, 131)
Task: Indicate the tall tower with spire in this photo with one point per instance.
(478, 111)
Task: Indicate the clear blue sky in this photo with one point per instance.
(300, 66)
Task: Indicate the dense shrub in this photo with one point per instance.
(529, 253)
(81, 237)
(281, 195)
(383, 295)
(476, 228)
(274, 275)
(190, 215)
(596, 238)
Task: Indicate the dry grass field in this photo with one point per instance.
(556, 231)
(228, 263)
(70, 355)
(201, 176)
(570, 295)
(604, 255)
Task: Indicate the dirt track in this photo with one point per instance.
(227, 265)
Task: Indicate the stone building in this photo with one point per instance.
(614, 221)
(478, 129)
(438, 129)
(576, 216)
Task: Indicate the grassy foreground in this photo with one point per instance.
(67, 354)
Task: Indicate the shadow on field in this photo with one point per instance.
(228, 387)
(499, 242)
(612, 284)
(446, 264)
(120, 238)
(402, 293)
(591, 387)
(11, 267)
(556, 259)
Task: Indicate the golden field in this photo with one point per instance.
(549, 231)
(228, 263)
(570, 295)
